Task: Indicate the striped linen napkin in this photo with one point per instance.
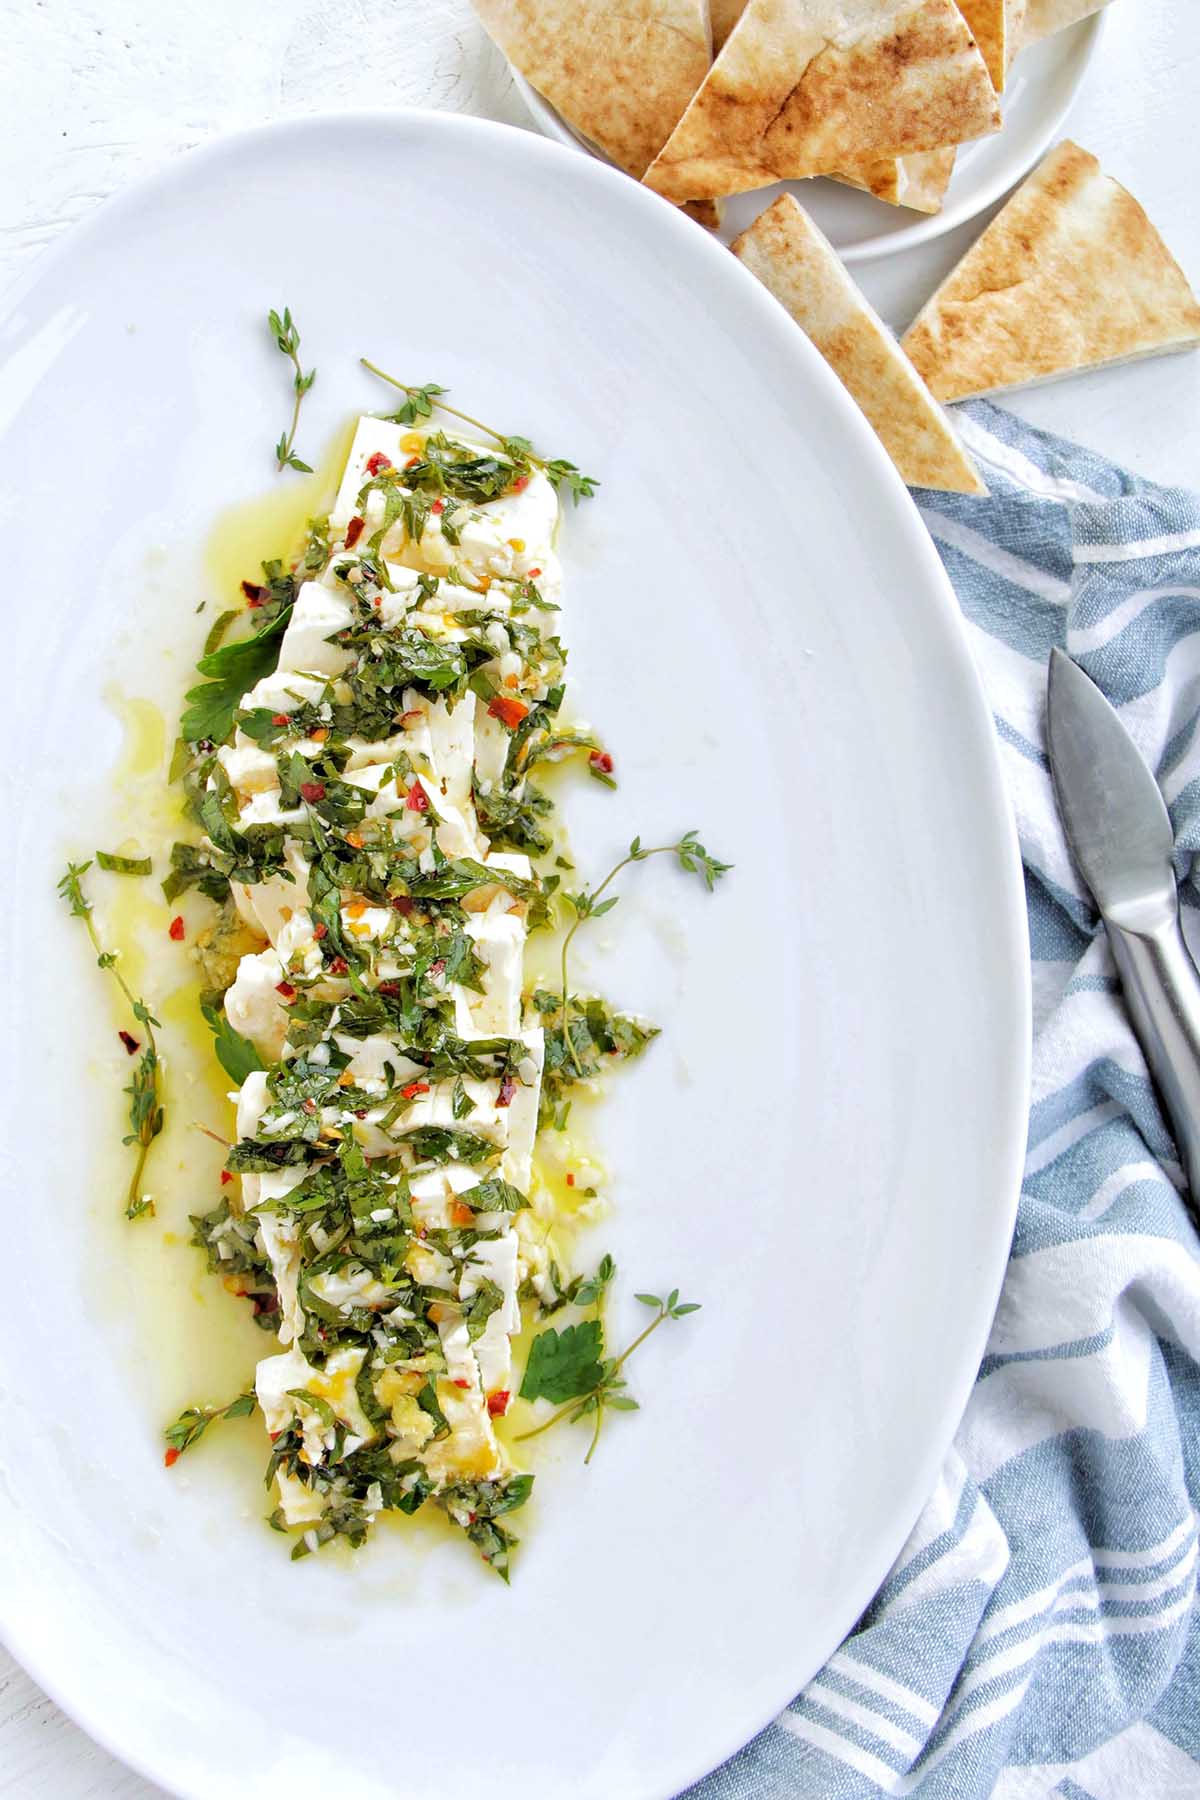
(1039, 1634)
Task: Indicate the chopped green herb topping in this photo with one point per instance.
(519, 452)
(123, 865)
(191, 1424)
(367, 1213)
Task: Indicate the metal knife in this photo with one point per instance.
(1120, 835)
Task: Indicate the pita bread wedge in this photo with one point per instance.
(801, 268)
(1070, 275)
(918, 182)
(708, 213)
(805, 86)
(621, 75)
(725, 15)
(988, 20)
(1044, 17)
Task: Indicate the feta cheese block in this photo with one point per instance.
(385, 1147)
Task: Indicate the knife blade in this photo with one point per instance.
(1120, 835)
(1116, 820)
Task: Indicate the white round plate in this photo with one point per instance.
(1041, 90)
(823, 1149)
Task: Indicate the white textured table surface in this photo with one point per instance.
(96, 93)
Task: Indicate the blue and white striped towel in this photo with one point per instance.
(1039, 1635)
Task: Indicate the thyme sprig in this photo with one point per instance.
(587, 903)
(145, 1086)
(420, 402)
(569, 1365)
(287, 339)
(194, 1421)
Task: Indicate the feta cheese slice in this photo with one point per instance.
(277, 1381)
(253, 1005)
(517, 1163)
(321, 609)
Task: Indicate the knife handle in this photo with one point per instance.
(1162, 990)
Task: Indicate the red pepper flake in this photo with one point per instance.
(520, 484)
(498, 1403)
(393, 989)
(459, 1382)
(439, 506)
(354, 531)
(273, 1435)
(226, 1177)
(129, 1041)
(508, 1088)
(533, 574)
(175, 928)
(312, 791)
(338, 966)
(286, 989)
(438, 967)
(570, 1181)
(414, 1088)
(416, 800)
(320, 931)
(412, 462)
(171, 1457)
(378, 461)
(403, 904)
(508, 710)
(600, 759)
(280, 718)
(256, 595)
(471, 1518)
(309, 1105)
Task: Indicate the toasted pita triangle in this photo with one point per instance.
(1044, 17)
(708, 213)
(621, 75)
(1070, 275)
(988, 20)
(1014, 28)
(804, 86)
(725, 15)
(801, 268)
(918, 182)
